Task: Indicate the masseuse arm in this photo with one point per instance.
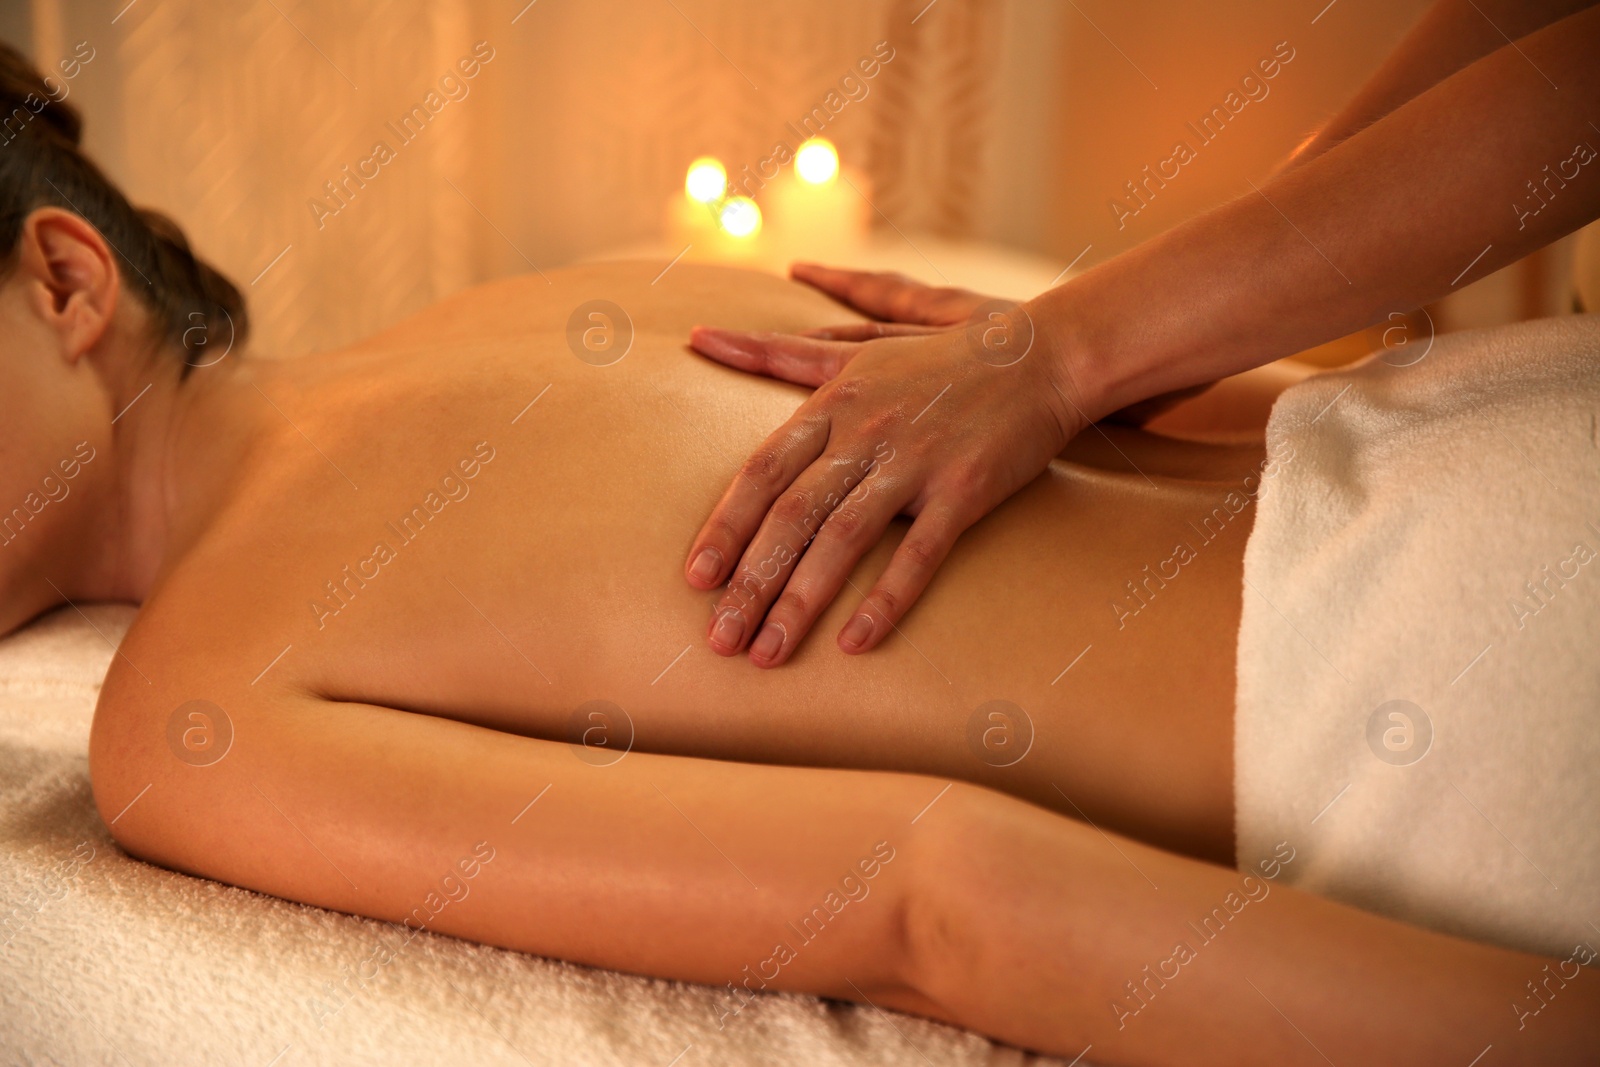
(1395, 215)
(1450, 35)
(989, 912)
(1400, 213)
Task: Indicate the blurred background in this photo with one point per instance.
(985, 149)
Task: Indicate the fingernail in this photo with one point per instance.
(856, 632)
(728, 630)
(707, 565)
(769, 642)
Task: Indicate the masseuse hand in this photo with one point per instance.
(923, 415)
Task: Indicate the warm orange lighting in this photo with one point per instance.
(817, 161)
(707, 180)
(741, 217)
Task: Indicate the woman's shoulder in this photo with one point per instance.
(660, 298)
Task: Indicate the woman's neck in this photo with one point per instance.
(174, 444)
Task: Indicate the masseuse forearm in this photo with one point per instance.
(1436, 194)
(1449, 36)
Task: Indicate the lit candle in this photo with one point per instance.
(692, 217)
(740, 217)
(708, 222)
(817, 162)
(706, 181)
(816, 211)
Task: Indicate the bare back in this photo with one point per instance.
(462, 518)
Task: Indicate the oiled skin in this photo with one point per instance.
(379, 754)
(557, 579)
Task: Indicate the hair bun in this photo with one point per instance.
(192, 305)
(200, 294)
(25, 96)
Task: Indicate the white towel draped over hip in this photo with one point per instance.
(1419, 655)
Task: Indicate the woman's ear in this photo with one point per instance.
(71, 277)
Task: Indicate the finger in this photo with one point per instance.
(844, 284)
(893, 297)
(849, 533)
(869, 331)
(794, 519)
(767, 472)
(910, 570)
(802, 360)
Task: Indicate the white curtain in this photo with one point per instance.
(1005, 120)
(569, 139)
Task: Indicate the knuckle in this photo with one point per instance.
(764, 467)
(953, 304)
(967, 478)
(846, 523)
(920, 553)
(793, 604)
(793, 506)
(844, 390)
(887, 602)
(906, 302)
(720, 530)
(811, 422)
(879, 423)
(743, 590)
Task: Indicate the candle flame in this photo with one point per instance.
(707, 180)
(741, 217)
(817, 161)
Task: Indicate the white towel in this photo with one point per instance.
(1430, 536)
(104, 959)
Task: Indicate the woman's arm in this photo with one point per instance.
(666, 866)
(957, 903)
(1051, 935)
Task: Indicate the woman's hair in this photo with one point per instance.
(42, 165)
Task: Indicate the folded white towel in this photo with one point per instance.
(104, 959)
(1419, 656)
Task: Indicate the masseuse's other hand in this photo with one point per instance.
(940, 413)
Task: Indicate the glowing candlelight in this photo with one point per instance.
(817, 161)
(818, 211)
(707, 180)
(741, 217)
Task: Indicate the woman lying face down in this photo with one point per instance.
(419, 601)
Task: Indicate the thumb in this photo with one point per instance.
(801, 360)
